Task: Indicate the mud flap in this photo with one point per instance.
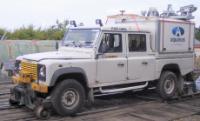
(180, 86)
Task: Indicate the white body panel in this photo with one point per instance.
(180, 40)
(89, 66)
(186, 65)
(140, 68)
(113, 71)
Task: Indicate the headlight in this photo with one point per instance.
(41, 73)
(17, 66)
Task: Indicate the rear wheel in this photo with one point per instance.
(68, 97)
(167, 85)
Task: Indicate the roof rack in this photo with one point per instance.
(185, 12)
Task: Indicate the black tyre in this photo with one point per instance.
(68, 97)
(167, 85)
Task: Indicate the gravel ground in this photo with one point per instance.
(196, 117)
(190, 118)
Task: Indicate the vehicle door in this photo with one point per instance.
(112, 61)
(141, 61)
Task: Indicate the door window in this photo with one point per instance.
(111, 43)
(137, 42)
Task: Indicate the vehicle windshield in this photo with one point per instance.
(81, 37)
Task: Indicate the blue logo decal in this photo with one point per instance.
(178, 31)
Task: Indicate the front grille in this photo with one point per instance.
(30, 69)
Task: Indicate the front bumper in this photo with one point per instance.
(26, 79)
(22, 95)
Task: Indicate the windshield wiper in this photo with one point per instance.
(88, 42)
(78, 44)
(71, 43)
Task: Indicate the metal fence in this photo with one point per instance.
(10, 49)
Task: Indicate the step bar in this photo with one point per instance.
(122, 89)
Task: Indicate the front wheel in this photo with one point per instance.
(68, 97)
(167, 85)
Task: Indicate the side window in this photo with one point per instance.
(137, 42)
(111, 43)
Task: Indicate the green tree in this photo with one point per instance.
(54, 32)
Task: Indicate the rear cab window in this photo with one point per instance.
(137, 43)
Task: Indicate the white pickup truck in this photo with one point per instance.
(129, 53)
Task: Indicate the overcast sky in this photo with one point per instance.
(16, 13)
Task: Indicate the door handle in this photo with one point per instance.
(120, 64)
(144, 63)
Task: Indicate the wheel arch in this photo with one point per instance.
(172, 67)
(70, 73)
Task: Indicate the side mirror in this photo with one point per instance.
(103, 48)
(98, 54)
(101, 52)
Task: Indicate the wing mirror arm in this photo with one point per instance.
(98, 54)
(101, 51)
